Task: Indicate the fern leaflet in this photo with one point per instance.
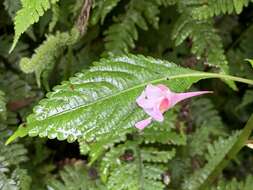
(121, 35)
(101, 8)
(29, 14)
(75, 177)
(205, 41)
(235, 185)
(211, 8)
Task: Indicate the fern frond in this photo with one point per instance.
(13, 154)
(209, 115)
(154, 155)
(102, 100)
(163, 132)
(101, 144)
(101, 8)
(206, 42)
(111, 160)
(122, 35)
(4, 164)
(23, 180)
(150, 158)
(235, 185)
(29, 14)
(137, 174)
(211, 8)
(15, 87)
(216, 154)
(207, 124)
(7, 183)
(239, 51)
(133, 161)
(75, 177)
(44, 58)
(156, 133)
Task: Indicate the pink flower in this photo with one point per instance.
(155, 100)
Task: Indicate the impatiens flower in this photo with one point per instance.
(155, 100)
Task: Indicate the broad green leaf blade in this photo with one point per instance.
(102, 100)
(29, 14)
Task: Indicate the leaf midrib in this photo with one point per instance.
(198, 74)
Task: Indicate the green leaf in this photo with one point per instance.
(29, 14)
(102, 100)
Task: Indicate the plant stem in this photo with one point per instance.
(214, 75)
(239, 144)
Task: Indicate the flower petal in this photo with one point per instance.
(163, 87)
(155, 113)
(153, 92)
(177, 97)
(164, 105)
(144, 123)
(143, 102)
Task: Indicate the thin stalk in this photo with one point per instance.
(239, 144)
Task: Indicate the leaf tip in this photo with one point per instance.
(12, 46)
(20, 132)
(11, 139)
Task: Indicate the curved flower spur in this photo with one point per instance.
(155, 100)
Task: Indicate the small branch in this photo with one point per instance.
(82, 21)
